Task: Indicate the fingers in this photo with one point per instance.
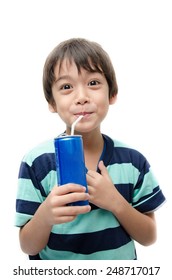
(103, 169)
(69, 213)
(72, 211)
(72, 197)
(93, 176)
(68, 188)
(67, 194)
(59, 200)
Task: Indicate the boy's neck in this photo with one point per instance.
(93, 147)
(92, 141)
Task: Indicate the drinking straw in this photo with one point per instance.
(74, 123)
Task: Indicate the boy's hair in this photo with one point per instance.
(85, 54)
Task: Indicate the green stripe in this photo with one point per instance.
(120, 144)
(27, 191)
(123, 173)
(21, 219)
(46, 147)
(93, 221)
(49, 181)
(149, 183)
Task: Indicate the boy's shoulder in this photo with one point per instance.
(119, 144)
(123, 151)
(46, 147)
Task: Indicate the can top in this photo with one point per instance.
(68, 136)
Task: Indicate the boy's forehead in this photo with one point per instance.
(64, 66)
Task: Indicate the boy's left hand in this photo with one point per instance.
(101, 188)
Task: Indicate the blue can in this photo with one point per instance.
(70, 162)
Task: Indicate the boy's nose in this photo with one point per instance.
(82, 98)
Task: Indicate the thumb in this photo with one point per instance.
(103, 169)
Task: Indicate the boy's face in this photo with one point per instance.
(77, 94)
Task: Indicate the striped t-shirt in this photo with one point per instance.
(97, 234)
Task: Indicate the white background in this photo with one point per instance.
(137, 36)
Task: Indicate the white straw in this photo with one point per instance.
(74, 123)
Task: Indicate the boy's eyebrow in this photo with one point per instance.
(62, 78)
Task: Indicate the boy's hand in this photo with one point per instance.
(55, 206)
(100, 187)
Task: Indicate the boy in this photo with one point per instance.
(79, 79)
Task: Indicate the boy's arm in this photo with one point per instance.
(35, 234)
(141, 227)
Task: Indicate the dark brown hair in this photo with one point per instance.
(85, 54)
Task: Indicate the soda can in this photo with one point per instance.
(70, 162)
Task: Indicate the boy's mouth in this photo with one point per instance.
(85, 114)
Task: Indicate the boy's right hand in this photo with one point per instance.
(55, 208)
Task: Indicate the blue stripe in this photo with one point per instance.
(124, 155)
(35, 257)
(41, 166)
(126, 190)
(98, 241)
(146, 196)
(145, 169)
(26, 207)
(152, 203)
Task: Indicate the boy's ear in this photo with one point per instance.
(112, 99)
(52, 108)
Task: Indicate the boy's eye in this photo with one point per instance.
(93, 83)
(66, 86)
